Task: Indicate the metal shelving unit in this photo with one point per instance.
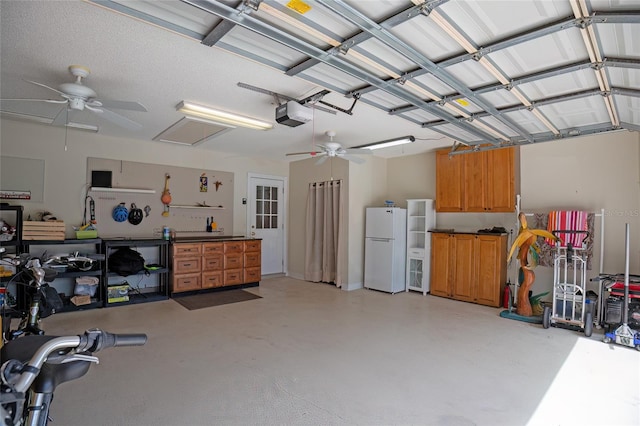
(145, 286)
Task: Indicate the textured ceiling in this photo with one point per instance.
(475, 72)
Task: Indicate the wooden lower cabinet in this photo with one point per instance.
(469, 267)
(206, 265)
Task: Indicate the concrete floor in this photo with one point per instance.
(311, 354)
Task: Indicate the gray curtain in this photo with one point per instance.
(324, 260)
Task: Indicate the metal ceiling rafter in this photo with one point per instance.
(382, 34)
(530, 35)
(538, 76)
(398, 18)
(221, 29)
(251, 23)
(450, 28)
(593, 46)
(548, 137)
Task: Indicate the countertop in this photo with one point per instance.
(212, 238)
(453, 231)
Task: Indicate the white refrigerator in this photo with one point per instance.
(385, 249)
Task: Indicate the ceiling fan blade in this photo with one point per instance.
(321, 160)
(117, 119)
(353, 158)
(358, 151)
(47, 87)
(301, 153)
(51, 101)
(130, 106)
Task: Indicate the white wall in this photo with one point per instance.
(65, 170)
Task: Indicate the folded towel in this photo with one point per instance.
(571, 220)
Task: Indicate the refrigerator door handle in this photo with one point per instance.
(384, 240)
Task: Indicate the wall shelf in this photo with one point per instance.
(180, 206)
(134, 190)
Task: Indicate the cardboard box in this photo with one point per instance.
(118, 293)
(81, 300)
(39, 230)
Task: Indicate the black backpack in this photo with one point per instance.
(126, 261)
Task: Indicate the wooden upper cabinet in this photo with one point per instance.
(476, 182)
(449, 182)
(501, 182)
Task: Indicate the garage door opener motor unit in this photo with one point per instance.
(293, 114)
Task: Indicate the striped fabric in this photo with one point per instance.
(568, 221)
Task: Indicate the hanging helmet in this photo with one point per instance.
(120, 213)
(135, 215)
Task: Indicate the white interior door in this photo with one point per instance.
(266, 219)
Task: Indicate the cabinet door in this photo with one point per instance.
(187, 265)
(501, 195)
(251, 259)
(475, 181)
(440, 264)
(449, 184)
(491, 267)
(463, 275)
(186, 282)
(212, 279)
(233, 276)
(233, 260)
(213, 262)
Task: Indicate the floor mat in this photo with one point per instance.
(205, 300)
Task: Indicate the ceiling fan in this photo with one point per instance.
(78, 97)
(334, 149)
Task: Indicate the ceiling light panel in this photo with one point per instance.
(191, 131)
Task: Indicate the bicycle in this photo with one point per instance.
(36, 364)
(44, 302)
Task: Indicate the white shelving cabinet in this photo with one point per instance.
(421, 217)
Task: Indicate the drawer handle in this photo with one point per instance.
(186, 282)
(186, 264)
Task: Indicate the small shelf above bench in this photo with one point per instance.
(182, 206)
(134, 190)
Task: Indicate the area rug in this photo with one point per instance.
(206, 300)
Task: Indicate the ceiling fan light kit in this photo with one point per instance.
(387, 143)
(218, 116)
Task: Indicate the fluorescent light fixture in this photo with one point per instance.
(387, 143)
(222, 116)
